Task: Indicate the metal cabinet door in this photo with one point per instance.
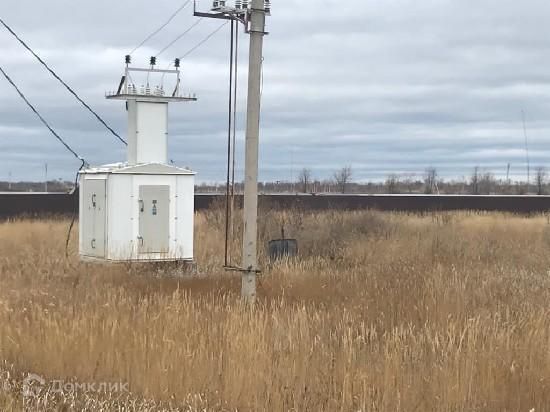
(93, 226)
(154, 219)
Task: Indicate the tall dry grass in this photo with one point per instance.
(381, 312)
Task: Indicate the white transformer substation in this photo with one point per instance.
(142, 209)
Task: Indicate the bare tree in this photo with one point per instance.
(430, 180)
(342, 177)
(487, 183)
(474, 181)
(540, 179)
(408, 182)
(392, 183)
(304, 179)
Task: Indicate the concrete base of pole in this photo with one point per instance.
(249, 287)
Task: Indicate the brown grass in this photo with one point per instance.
(382, 312)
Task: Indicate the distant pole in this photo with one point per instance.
(250, 236)
(9, 180)
(46, 177)
(526, 150)
(292, 169)
(508, 174)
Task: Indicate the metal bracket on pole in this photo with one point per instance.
(242, 270)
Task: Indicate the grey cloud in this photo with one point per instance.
(391, 86)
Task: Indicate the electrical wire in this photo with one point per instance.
(203, 41)
(54, 74)
(40, 117)
(262, 81)
(229, 130)
(234, 137)
(84, 163)
(157, 31)
(179, 37)
(197, 46)
(75, 210)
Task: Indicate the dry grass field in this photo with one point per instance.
(381, 312)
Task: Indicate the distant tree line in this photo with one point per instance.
(50, 186)
(479, 182)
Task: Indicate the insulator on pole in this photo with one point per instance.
(238, 4)
(245, 4)
(267, 6)
(153, 61)
(128, 59)
(177, 63)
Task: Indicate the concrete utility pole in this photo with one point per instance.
(250, 236)
(253, 19)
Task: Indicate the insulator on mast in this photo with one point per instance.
(128, 59)
(238, 4)
(153, 61)
(245, 4)
(267, 6)
(177, 63)
(215, 5)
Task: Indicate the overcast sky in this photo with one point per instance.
(385, 86)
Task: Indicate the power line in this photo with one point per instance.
(203, 41)
(199, 44)
(179, 37)
(62, 82)
(157, 31)
(228, 215)
(40, 117)
(234, 138)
